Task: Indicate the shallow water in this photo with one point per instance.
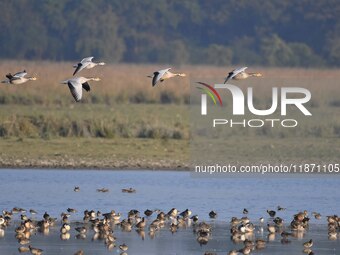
(52, 191)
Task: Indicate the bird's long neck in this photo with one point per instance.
(92, 79)
(180, 74)
(100, 64)
(255, 74)
(84, 79)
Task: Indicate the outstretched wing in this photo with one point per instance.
(75, 89)
(82, 64)
(20, 74)
(9, 76)
(228, 77)
(80, 67)
(86, 86)
(158, 75)
(155, 78)
(235, 72)
(89, 59)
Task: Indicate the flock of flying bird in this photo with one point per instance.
(77, 84)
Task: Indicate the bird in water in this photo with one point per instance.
(148, 212)
(163, 75)
(129, 190)
(81, 230)
(279, 208)
(123, 247)
(33, 212)
(271, 213)
(35, 251)
(213, 214)
(316, 215)
(77, 84)
(240, 74)
(308, 244)
(86, 63)
(271, 228)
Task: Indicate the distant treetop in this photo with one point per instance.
(265, 32)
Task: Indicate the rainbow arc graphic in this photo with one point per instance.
(209, 90)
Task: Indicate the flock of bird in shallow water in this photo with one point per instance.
(77, 84)
(102, 226)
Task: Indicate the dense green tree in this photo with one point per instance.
(217, 55)
(332, 46)
(245, 51)
(334, 50)
(276, 52)
(304, 56)
(219, 32)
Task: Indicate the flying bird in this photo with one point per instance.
(77, 84)
(240, 74)
(86, 63)
(164, 74)
(18, 78)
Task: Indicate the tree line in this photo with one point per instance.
(218, 32)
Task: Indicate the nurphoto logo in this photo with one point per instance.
(294, 96)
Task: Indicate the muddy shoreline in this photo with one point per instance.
(94, 165)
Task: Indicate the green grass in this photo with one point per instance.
(237, 150)
(127, 121)
(101, 153)
(94, 136)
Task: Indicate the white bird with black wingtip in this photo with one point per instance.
(77, 84)
(18, 78)
(240, 74)
(86, 63)
(164, 74)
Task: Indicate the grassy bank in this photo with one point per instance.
(93, 120)
(94, 153)
(95, 136)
